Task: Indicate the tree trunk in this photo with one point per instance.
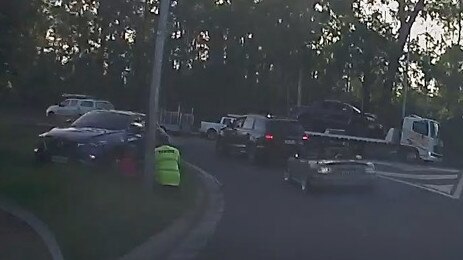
(366, 92)
(394, 64)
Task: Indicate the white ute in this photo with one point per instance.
(212, 129)
(77, 105)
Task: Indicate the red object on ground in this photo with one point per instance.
(128, 165)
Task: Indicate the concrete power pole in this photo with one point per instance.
(153, 112)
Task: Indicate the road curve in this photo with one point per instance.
(265, 218)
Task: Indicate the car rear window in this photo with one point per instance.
(285, 127)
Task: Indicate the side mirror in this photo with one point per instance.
(61, 104)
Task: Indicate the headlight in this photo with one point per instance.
(370, 168)
(324, 170)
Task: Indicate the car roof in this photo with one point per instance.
(122, 112)
(89, 99)
(76, 96)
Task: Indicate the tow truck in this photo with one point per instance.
(418, 139)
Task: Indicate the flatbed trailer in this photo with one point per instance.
(417, 140)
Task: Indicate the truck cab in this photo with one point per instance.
(424, 135)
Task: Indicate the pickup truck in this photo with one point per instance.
(212, 129)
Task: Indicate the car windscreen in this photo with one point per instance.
(285, 127)
(103, 120)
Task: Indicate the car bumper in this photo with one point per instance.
(432, 157)
(280, 152)
(68, 153)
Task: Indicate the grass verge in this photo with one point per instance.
(93, 214)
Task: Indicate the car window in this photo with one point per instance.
(421, 127)
(239, 122)
(104, 105)
(227, 121)
(249, 123)
(86, 104)
(286, 127)
(104, 120)
(259, 124)
(73, 103)
(65, 103)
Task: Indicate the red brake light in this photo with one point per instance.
(268, 137)
(305, 137)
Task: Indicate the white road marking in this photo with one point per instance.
(459, 189)
(442, 169)
(419, 176)
(444, 188)
(409, 167)
(418, 186)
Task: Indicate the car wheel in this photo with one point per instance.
(409, 155)
(51, 114)
(211, 134)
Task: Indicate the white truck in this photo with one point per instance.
(418, 139)
(212, 129)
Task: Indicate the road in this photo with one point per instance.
(415, 212)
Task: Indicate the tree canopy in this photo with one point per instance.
(237, 55)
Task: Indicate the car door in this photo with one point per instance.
(230, 134)
(86, 106)
(72, 108)
(419, 136)
(63, 107)
(245, 133)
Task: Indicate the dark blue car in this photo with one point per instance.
(97, 136)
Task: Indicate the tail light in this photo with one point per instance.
(305, 137)
(269, 137)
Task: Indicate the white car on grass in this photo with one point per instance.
(75, 107)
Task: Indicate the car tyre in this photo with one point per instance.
(211, 134)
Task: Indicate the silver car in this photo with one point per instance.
(307, 172)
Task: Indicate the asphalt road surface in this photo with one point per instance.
(415, 212)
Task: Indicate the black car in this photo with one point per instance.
(96, 137)
(262, 137)
(333, 114)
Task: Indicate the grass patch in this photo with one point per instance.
(94, 214)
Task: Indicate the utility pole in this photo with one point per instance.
(153, 111)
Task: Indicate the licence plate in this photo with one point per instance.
(290, 141)
(59, 159)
